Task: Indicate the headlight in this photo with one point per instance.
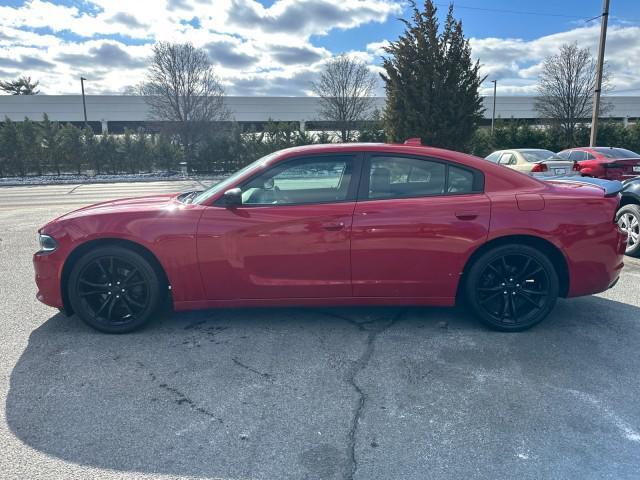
(47, 243)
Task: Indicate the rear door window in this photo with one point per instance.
(404, 177)
(493, 157)
(577, 155)
(507, 159)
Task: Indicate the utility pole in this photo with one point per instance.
(493, 111)
(599, 68)
(84, 104)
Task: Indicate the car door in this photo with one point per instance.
(415, 224)
(290, 236)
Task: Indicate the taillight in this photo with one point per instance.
(576, 167)
(539, 167)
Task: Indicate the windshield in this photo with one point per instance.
(616, 152)
(538, 155)
(226, 183)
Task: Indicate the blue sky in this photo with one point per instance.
(276, 47)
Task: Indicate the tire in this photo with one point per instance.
(114, 289)
(628, 218)
(512, 288)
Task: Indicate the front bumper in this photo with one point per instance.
(48, 274)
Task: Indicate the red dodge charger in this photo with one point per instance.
(350, 224)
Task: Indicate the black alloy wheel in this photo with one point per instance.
(512, 288)
(114, 289)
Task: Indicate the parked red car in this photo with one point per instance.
(605, 162)
(348, 224)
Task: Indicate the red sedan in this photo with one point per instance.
(348, 224)
(605, 162)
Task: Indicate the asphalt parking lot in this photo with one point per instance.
(366, 393)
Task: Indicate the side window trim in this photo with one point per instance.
(363, 190)
(356, 174)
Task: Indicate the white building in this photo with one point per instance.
(115, 112)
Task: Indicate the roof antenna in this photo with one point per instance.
(413, 141)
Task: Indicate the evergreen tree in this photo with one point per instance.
(431, 82)
(29, 146)
(70, 148)
(127, 150)
(50, 157)
(9, 152)
(91, 154)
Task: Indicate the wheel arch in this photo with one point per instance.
(545, 246)
(85, 247)
(629, 200)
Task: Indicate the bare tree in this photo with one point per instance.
(20, 86)
(565, 89)
(345, 88)
(182, 88)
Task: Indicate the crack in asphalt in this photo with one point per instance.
(179, 397)
(264, 375)
(358, 366)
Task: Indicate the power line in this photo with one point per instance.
(517, 12)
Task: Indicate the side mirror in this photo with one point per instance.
(233, 197)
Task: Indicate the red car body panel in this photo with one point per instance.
(415, 247)
(376, 252)
(605, 167)
(297, 251)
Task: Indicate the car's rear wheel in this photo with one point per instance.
(629, 221)
(512, 287)
(114, 289)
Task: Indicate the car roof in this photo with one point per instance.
(532, 150)
(398, 148)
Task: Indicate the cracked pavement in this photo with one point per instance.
(315, 393)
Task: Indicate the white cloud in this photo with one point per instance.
(256, 49)
(266, 50)
(516, 63)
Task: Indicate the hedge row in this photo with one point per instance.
(41, 148)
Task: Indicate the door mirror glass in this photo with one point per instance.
(233, 197)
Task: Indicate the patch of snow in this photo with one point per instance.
(104, 178)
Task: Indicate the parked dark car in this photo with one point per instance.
(628, 215)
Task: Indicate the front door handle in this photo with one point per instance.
(469, 215)
(333, 227)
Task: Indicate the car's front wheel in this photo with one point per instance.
(512, 287)
(114, 289)
(629, 221)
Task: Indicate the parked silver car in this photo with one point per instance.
(535, 162)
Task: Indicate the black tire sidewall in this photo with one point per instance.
(635, 211)
(481, 263)
(145, 268)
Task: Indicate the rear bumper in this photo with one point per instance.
(598, 268)
(48, 270)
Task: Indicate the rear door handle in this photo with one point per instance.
(333, 227)
(470, 215)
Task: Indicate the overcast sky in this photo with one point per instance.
(276, 47)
